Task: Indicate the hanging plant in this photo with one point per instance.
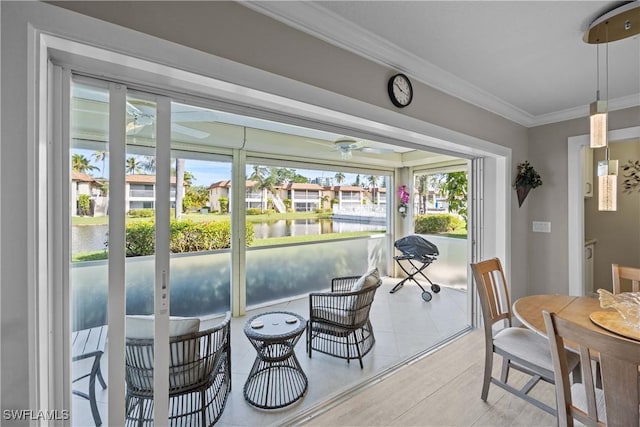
(526, 179)
(403, 195)
(632, 175)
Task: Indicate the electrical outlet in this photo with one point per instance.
(541, 227)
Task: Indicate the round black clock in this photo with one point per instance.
(400, 90)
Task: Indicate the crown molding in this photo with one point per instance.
(583, 110)
(325, 25)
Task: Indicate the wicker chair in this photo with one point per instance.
(339, 322)
(199, 377)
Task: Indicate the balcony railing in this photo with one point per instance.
(201, 281)
(141, 193)
(148, 194)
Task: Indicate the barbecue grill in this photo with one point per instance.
(419, 253)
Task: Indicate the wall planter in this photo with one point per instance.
(526, 179)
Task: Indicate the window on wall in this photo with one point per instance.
(309, 226)
(440, 201)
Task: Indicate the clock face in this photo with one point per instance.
(400, 90)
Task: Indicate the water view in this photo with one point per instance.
(87, 238)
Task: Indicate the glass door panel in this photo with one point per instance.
(200, 235)
(140, 262)
(291, 257)
(88, 276)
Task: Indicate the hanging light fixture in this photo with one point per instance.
(617, 24)
(598, 111)
(607, 169)
(607, 184)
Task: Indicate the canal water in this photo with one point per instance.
(87, 238)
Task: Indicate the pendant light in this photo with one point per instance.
(607, 169)
(598, 111)
(619, 23)
(607, 184)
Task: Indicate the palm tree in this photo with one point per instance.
(132, 166)
(80, 163)
(340, 178)
(101, 156)
(423, 191)
(323, 201)
(373, 185)
(263, 181)
(188, 178)
(179, 187)
(149, 164)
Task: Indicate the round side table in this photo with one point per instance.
(276, 378)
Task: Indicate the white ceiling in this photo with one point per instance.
(524, 60)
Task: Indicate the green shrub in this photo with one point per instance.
(437, 223)
(141, 213)
(140, 238)
(224, 204)
(84, 205)
(253, 211)
(185, 236)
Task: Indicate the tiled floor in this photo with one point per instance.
(404, 325)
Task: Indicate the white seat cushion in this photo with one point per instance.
(370, 278)
(525, 344)
(141, 327)
(184, 355)
(333, 314)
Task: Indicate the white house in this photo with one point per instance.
(140, 191)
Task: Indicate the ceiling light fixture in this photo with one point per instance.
(620, 23)
(345, 146)
(598, 111)
(607, 184)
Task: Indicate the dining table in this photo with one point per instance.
(583, 310)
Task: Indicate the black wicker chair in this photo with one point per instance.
(199, 377)
(339, 322)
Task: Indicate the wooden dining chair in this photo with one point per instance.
(616, 403)
(626, 273)
(520, 348)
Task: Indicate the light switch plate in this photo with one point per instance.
(541, 227)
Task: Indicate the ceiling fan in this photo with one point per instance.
(346, 146)
(142, 120)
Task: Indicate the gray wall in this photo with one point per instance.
(617, 233)
(232, 31)
(548, 252)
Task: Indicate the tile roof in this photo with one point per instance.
(144, 179)
(81, 176)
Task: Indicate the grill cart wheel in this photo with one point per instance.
(435, 288)
(426, 295)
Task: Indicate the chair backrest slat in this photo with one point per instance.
(492, 289)
(626, 273)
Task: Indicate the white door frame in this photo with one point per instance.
(575, 209)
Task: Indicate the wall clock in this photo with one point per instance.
(400, 90)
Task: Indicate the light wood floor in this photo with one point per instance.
(442, 389)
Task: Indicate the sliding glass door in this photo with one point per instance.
(143, 239)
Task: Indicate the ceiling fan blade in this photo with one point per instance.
(134, 128)
(189, 131)
(373, 150)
